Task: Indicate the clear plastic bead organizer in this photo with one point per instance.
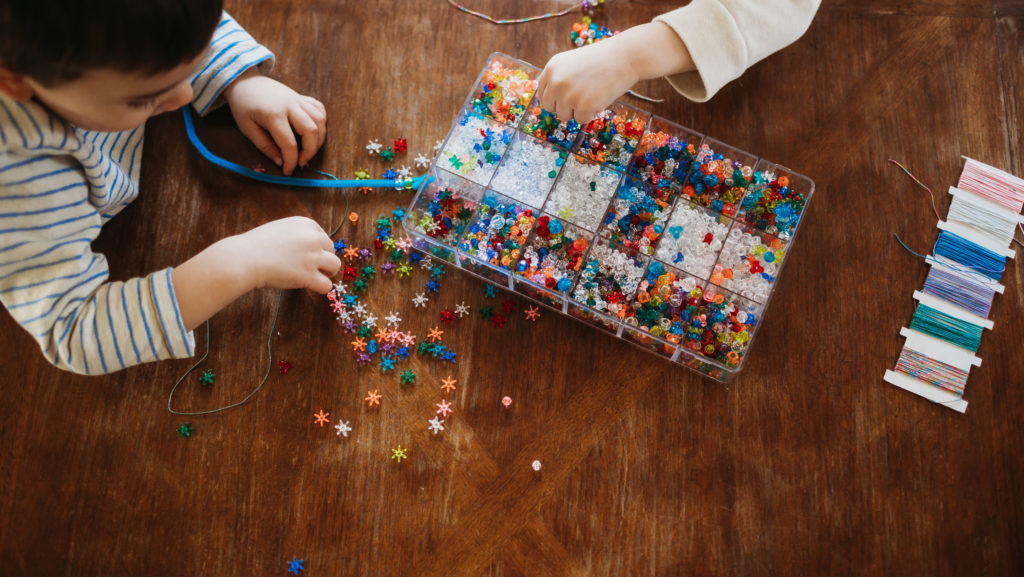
(646, 229)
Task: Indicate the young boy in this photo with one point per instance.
(699, 48)
(77, 82)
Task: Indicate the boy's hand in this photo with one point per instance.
(290, 253)
(286, 254)
(269, 114)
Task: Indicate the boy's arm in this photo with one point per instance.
(57, 288)
(231, 53)
(725, 37)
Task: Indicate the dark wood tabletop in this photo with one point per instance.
(807, 463)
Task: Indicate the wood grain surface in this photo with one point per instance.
(806, 464)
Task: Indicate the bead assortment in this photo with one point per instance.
(640, 226)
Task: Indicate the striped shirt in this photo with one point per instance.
(58, 185)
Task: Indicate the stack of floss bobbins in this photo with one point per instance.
(953, 306)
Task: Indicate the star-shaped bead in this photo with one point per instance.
(420, 300)
(532, 313)
(448, 385)
(343, 428)
(404, 172)
(373, 147)
(386, 364)
(444, 408)
(321, 418)
(393, 319)
(373, 398)
(489, 291)
(398, 454)
(437, 145)
(185, 430)
(359, 309)
(432, 286)
(370, 320)
(435, 334)
(295, 565)
(461, 309)
(436, 425)
(422, 161)
(404, 244)
(427, 263)
(404, 270)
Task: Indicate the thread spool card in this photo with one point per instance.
(625, 198)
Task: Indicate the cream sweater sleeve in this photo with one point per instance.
(725, 37)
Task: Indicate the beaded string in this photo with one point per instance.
(946, 327)
(584, 4)
(929, 370)
(961, 290)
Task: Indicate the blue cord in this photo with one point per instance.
(190, 128)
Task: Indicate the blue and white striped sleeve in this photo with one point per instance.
(232, 51)
(57, 288)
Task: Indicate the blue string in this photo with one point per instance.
(965, 252)
(190, 128)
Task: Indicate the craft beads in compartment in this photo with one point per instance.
(529, 169)
(776, 200)
(546, 126)
(637, 214)
(693, 238)
(504, 89)
(719, 177)
(582, 192)
(609, 278)
(474, 147)
(666, 154)
(612, 137)
(554, 253)
(749, 262)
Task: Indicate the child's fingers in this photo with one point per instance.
(259, 137)
(318, 113)
(320, 283)
(308, 130)
(329, 263)
(281, 131)
(542, 85)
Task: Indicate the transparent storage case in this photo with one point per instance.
(643, 228)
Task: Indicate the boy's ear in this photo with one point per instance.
(14, 85)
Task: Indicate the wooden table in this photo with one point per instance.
(808, 463)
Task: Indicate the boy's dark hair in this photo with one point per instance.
(55, 41)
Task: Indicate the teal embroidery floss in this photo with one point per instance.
(946, 327)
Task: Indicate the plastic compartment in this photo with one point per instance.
(609, 278)
(497, 232)
(749, 262)
(693, 238)
(776, 201)
(553, 255)
(666, 154)
(720, 177)
(546, 126)
(612, 136)
(529, 169)
(474, 147)
(722, 325)
(627, 280)
(504, 89)
(582, 192)
(637, 214)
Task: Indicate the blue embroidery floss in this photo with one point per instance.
(962, 251)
